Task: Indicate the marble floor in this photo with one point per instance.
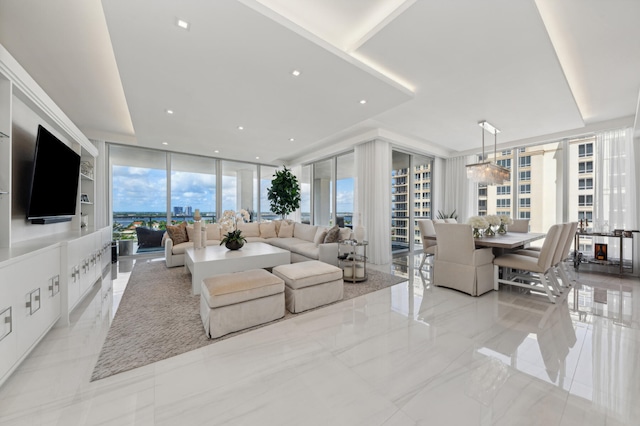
(412, 354)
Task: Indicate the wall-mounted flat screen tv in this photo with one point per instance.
(54, 183)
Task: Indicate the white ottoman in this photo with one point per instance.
(310, 284)
(239, 300)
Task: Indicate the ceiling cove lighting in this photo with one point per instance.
(183, 24)
(486, 172)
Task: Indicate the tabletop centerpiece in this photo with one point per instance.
(504, 220)
(492, 220)
(233, 239)
(477, 223)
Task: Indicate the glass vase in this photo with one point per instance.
(501, 229)
(476, 233)
(489, 232)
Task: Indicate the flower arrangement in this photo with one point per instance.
(477, 223)
(504, 220)
(233, 238)
(230, 219)
(493, 220)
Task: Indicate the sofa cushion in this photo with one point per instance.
(189, 229)
(268, 230)
(148, 237)
(286, 230)
(256, 240)
(304, 231)
(321, 232)
(178, 233)
(333, 235)
(285, 243)
(306, 249)
(345, 233)
(213, 231)
(251, 229)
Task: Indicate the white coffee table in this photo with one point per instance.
(213, 260)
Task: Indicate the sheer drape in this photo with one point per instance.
(614, 173)
(373, 197)
(459, 192)
(614, 187)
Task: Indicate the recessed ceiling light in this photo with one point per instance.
(165, 143)
(291, 139)
(257, 158)
(240, 128)
(363, 101)
(216, 151)
(169, 111)
(295, 73)
(183, 24)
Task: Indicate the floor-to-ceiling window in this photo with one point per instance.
(240, 187)
(266, 176)
(345, 189)
(193, 186)
(305, 194)
(323, 192)
(411, 179)
(139, 189)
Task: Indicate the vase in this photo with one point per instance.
(476, 233)
(489, 232)
(234, 245)
(501, 229)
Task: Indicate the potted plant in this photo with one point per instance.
(233, 239)
(284, 193)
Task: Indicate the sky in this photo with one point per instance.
(138, 189)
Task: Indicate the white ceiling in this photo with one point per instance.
(429, 70)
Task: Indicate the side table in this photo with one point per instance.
(352, 259)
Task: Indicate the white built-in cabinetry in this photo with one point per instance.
(45, 270)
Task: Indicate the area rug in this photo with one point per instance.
(159, 318)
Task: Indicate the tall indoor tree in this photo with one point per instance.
(284, 194)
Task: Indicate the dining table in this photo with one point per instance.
(510, 240)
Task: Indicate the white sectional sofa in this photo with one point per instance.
(305, 242)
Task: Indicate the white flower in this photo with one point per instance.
(230, 219)
(506, 220)
(493, 220)
(478, 222)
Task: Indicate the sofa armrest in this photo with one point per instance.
(328, 253)
(168, 251)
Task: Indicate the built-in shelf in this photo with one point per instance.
(86, 202)
(3, 192)
(3, 135)
(85, 177)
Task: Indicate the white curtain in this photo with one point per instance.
(460, 193)
(614, 173)
(615, 189)
(373, 197)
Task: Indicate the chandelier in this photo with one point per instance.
(486, 172)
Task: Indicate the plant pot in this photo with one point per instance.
(234, 245)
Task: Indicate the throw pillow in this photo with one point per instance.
(268, 230)
(178, 233)
(213, 231)
(345, 233)
(286, 230)
(321, 232)
(190, 230)
(249, 229)
(148, 237)
(333, 235)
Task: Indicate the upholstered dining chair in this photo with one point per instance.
(558, 272)
(519, 225)
(458, 264)
(536, 267)
(428, 244)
